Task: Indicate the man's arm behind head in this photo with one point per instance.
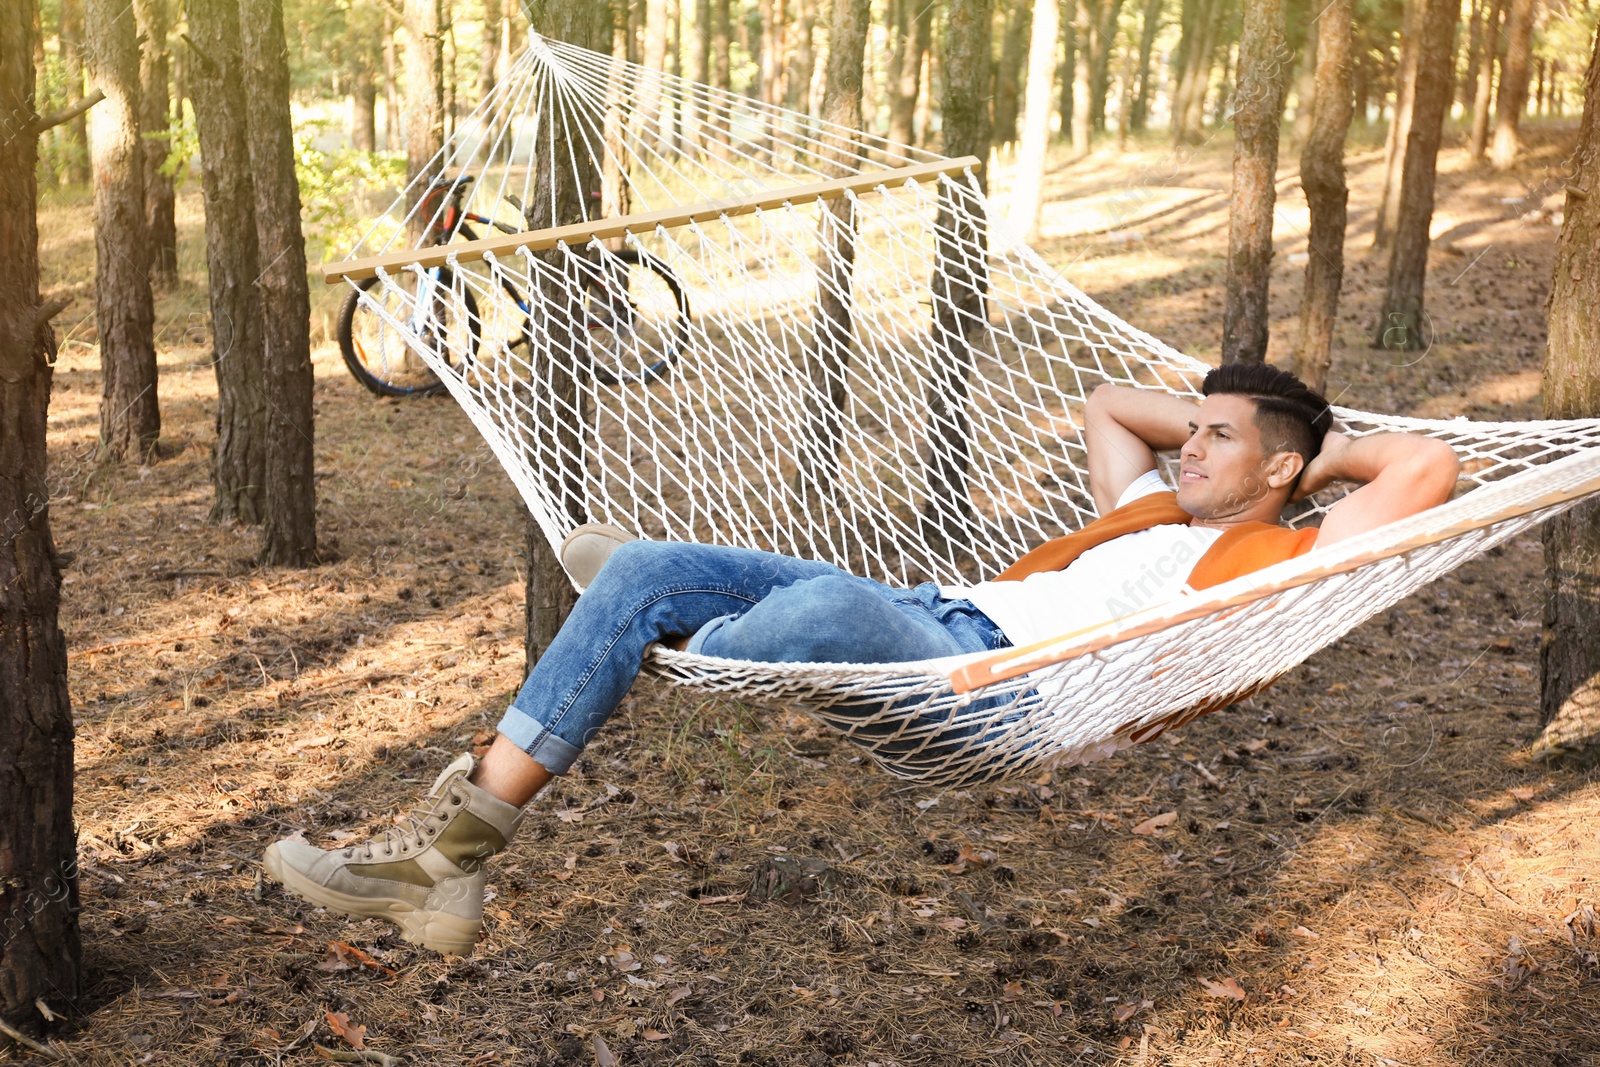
(1401, 474)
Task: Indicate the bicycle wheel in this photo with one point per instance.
(384, 358)
(637, 318)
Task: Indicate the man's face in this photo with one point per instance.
(1224, 469)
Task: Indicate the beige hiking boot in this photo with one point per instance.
(425, 876)
(586, 549)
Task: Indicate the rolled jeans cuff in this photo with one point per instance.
(534, 738)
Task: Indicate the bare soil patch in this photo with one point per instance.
(1360, 866)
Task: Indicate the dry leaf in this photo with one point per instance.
(1227, 988)
(603, 1056)
(678, 994)
(623, 959)
(655, 1035)
(1301, 931)
(1524, 792)
(1155, 822)
(344, 957)
(312, 742)
(352, 1034)
(1123, 1012)
(1258, 745)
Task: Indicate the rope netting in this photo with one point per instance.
(881, 378)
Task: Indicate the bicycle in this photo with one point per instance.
(635, 313)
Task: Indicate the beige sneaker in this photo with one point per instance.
(425, 876)
(585, 550)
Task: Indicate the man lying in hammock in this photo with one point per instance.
(1258, 440)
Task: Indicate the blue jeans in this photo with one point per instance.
(734, 603)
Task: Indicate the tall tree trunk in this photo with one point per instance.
(75, 131)
(1394, 146)
(1478, 14)
(1322, 177)
(1013, 47)
(1483, 90)
(1513, 95)
(424, 57)
(489, 55)
(960, 282)
(393, 121)
(232, 261)
(1188, 107)
(655, 63)
(930, 71)
(832, 327)
(41, 955)
(1149, 26)
(1305, 90)
(564, 175)
(803, 68)
(155, 111)
(1105, 39)
(1400, 325)
(1570, 652)
(908, 76)
(130, 419)
(1082, 77)
(721, 42)
(289, 528)
(1255, 192)
(363, 108)
(699, 71)
(1029, 184)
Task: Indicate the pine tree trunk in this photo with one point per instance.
(908, 74)
(41, 955)
(960, 282)
(232, 261)
(155, 110)
(1570, 651)
(699, 72)
(1105, 39)
(803, 68)
(1322, 177)
(1305, 90)
(1082, 77)
(424, 88)
(1255, 193)
(489, 55)
(76, 131)
(655, 61)
(1148, 27)
(1029, 184)
(829, 356)
(1479, 14)
(363, 108)
(130, 419)
(721, 42)
(1013, 49)
(393, 122)
(1513, 95)
(1400, 326)
(1483, 90)
(1394, 145)
(562, 181)
(289, 528)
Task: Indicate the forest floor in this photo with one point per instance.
(1365, 866)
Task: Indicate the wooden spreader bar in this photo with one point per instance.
(643, 222)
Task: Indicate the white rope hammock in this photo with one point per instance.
(945, 443)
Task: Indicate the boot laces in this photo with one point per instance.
(415, 832)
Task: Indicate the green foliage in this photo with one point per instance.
(183, 146)
(338, 187)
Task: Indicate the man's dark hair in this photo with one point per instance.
(1290, 416)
